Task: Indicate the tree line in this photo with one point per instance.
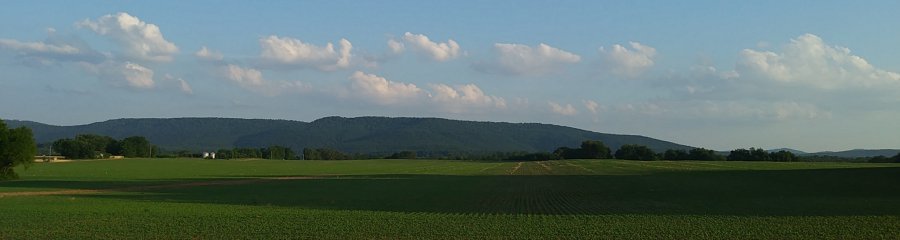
(91, 146)
(275, 152)
(589, 149)
(883, 159)
(598, 150)
(332, 154)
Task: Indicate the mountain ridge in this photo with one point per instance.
(355, 135)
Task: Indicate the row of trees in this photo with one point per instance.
(883, 159)
(758, 154)
(700, 154)
(324, 154)
(16, 148)
(598, 150)
(90, 146)
(588, 150)
(271, 152)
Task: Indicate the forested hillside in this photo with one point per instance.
(355, 135)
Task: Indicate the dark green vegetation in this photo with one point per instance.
(758, 154)
(16, 148)
(426, 136)
(415, 199)
(90, 146)
(883, 159)
(635, 152)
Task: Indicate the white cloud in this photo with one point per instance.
(247, 77)
(288, 51)
(208, 55)
(592, 106)
(735, 111)
(808, 60)
(440, 98)
(436, 51)
(138, 76)
(462, 97)
(383, 91)
(127, 74)
(38, 47)
(518, 59)
(567, 110)
(395, 46)
(253, 80)
(182, 85)
(142, 41)
(50, 51)
(629, 62)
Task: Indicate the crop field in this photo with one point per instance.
(413, 199)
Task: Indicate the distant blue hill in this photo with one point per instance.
(794, 151)
(356, 135)
(855, 153)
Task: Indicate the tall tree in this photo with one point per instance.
(752, 154)
(73, 149)
(595, 150)
(675, 154)
(97, 143)
(635, 152)
(783, 156)
(136, 146)
(703, 154)
(17, 147)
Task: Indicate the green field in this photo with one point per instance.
(390, 199)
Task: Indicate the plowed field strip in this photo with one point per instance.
(151, 187)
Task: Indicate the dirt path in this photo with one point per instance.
(581, 167)
(492, 166)
(548, 168)
(151, 187)
(516, 168)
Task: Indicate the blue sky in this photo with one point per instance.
(810, 75)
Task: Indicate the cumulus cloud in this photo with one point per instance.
(252, 79)
(629, 62)
(439, 97)
(420, 43)
(247, 77)
(141, 40)
(179, 83)
(808, 60)
(138, 76)
(396, 47)
(126, 74)
(383, 91)
(286, 51)
(567, 109)
(519, 59)
(592, 106)
(806, 79)
(208, 55)
(462, 97)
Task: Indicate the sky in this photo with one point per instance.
(808, 75)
